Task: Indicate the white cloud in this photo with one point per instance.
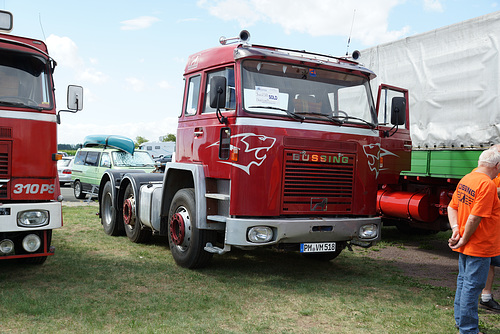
(64, 51)
(139, 23)
(315, 17)
(135, 84)
(66, 54)
(433, 6)
(92, 75)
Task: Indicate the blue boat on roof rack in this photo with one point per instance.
(119, 142)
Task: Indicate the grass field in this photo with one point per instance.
(101, 284)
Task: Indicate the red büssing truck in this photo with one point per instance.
(275, 147)
(30, 199)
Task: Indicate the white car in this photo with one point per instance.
(64, 167)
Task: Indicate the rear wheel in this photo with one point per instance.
(77, 190)
(133, 227)
(109, 219)
(186, 241)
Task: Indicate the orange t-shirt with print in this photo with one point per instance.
(496, 180)
(476, 194)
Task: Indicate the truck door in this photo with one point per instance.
(208, 131)
(199, 127)
(394, 126)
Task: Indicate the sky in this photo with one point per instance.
(130, 56)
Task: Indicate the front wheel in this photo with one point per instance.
(77, 190)
(186, 241)
(111, 222)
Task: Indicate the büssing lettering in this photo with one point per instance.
(339, 159)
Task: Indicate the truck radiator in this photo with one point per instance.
(317, 182)
(4, 169)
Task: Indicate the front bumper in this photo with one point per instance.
(299, 230)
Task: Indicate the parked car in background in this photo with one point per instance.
(91, 163)
(162, 161)
(64, 167)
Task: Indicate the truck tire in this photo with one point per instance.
(111, 222)
(327, 256)
(133, 228)
(77, 190)
(186, 241)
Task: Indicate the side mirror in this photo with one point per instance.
(5, 21)
(75, 101)
(75, 98)
(398, 111)
(218, 92)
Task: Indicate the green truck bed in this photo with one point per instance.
(443, 164)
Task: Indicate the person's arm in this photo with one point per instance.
(453, 219)
(470, 227)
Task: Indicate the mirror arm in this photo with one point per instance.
(387, 132)
(222, 119)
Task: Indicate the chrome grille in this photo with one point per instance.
(318, 182)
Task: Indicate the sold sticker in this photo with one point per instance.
(267, 95)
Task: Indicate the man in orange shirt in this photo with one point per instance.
(474, 215)
(487, 300)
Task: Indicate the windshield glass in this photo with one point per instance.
(306, 93)
(139, 159)
(24, 81)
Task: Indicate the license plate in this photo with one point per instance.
(318, 247)
(4, 211)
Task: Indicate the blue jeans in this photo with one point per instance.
(472, 274)
(495, 261)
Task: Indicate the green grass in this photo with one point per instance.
(101, 284)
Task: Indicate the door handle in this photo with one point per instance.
(198, 132)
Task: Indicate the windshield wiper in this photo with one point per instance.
(20, 105)
(345, 118)
(289, 113)
(330, 118)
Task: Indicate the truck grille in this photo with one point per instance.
(318, 182)
(4, 169)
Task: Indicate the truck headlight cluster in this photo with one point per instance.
(260, 234)
(6, 246)
(369, 231)
(31, 243)
(33, 218)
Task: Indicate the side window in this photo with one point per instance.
(228, 73)
(192, 95)
(105, 160)
(80, 158)
(92, 159)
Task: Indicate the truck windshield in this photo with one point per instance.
(139, 159)
(307, 93)
(24, 82)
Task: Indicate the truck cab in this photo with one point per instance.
(275, 147)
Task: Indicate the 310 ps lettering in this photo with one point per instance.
(33, 188)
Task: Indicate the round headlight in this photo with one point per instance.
(6, 246)
(260, 234)
(369, 231)
(31, 242)
(33, 218)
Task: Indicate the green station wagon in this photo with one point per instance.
(91, 162)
